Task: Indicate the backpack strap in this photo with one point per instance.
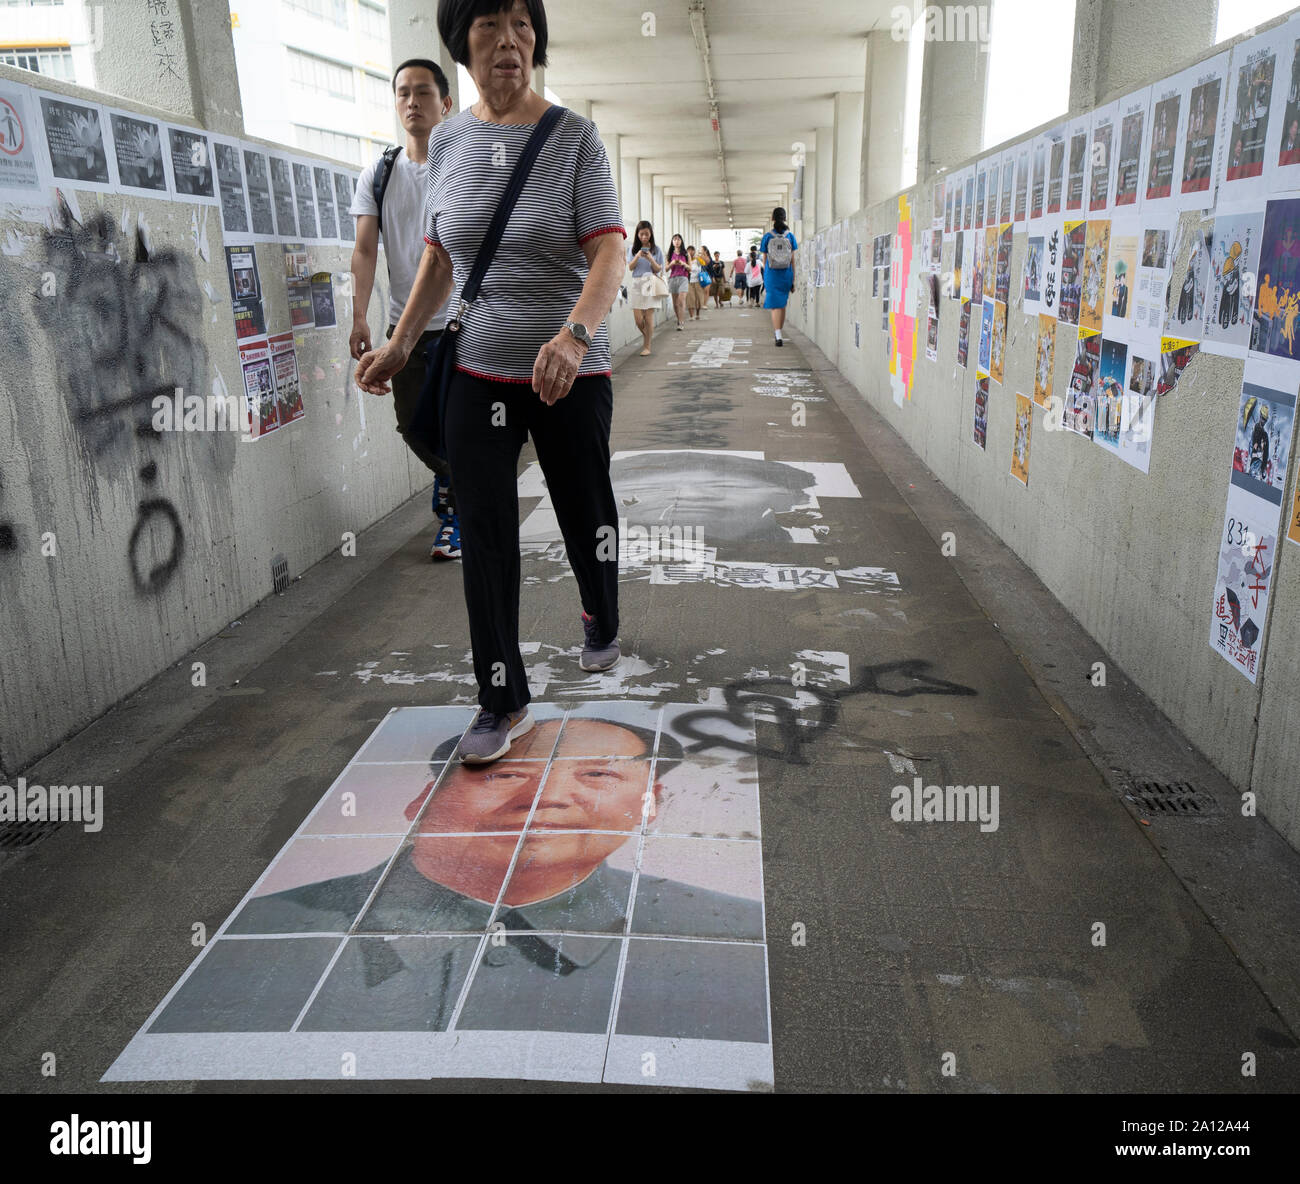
(384, 174)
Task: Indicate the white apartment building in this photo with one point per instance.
(316, 73)
(51, 37)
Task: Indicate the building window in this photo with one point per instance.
(321, 75)
(334, 11)
(327, 143)
(378, 91)
(56, 63)
(373, 21)
(1027, 31)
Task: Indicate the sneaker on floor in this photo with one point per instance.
(447, 544)
(595, 655)
(488, 737)
(779, 342)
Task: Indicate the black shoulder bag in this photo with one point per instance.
(431, 411)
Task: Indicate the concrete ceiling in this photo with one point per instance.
(775, 71)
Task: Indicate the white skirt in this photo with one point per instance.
(640, 292)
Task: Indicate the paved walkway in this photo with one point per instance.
(786, 902)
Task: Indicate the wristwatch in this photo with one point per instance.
(579, 332)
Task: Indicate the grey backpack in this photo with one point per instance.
(779, 251)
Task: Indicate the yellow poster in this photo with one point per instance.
(1092, 296)
(1020, 441)
(1293, 528)
(1044, 358)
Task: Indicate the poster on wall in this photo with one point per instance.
(998, 343)
(1251, 133)
(963, 334)
(968, 206)
(1050, 292)
(288, 382)
(1287, 173)
(1021, 208)
(1186, 313)
(1229, 302)
(1151, 287)
(1092, 280)
(1121, 272)
(1054, 198)
(1073, 236)
(983, 357)
(1261, 455)
(1002, 273)
(1202, 89)
(1006, 204)
(245, 292)
(1077, 164)
(1103, 147)
(1038, 179)
(286, 217)
(1277, 305)
(230, 184)
(322, 300)
(324, 181)
(261, 207)
(932, 333)
(1108, 400)
(304, 197)
(1044, 358)
(1024, 423)
(1031, 280)
(947, 213)
(344, 189)
(1293, 527)
(191, 160)
(1129, 161)
(1175, 354)
(958, 276)
(1163, 155)
(21, 169)
(259, 387)
(74, 143)
(992, 173)
(1081, 395)
(138, 150)
(297, 278)
(981, 424)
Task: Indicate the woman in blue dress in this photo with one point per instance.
(778, 250)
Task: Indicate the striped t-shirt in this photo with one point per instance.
(538, 270)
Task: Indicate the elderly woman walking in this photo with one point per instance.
(533, 354)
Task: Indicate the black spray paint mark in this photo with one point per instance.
(798, 726)
(158, 528)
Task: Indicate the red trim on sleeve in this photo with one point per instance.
(433, 242)
(602, 230)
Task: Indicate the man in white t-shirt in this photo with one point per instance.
(423, 101)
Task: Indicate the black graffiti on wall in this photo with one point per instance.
(797, 725)
(126, 323)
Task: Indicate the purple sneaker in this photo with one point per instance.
(488, 737)
(595, 654)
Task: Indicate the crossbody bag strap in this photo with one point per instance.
(497, 227)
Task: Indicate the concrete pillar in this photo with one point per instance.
(580, 107)
(953, 79)
(808, 222)
(657, 218)
(191, 73)
(413, 33)
(539, 79)
(1113, 42)
(825, 138)
(629, 190)
(847, 195)
(884, 83)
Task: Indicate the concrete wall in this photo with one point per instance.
(128, 590)
(1133, 557)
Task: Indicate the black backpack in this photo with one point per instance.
(384, 174)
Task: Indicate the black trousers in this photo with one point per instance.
(486, 425)
(407, 385)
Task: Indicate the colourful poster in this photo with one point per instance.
(1031, 284)
(1131, 137)
(986, 338)
(1093, 277)
(981, 183)
(1202, 100)
(1151, 287)
(1081, 397)
(1288, 155)
(245, 292)
(932, 332)
(1044, 359)
(981, 425)
(259, 387)
(902, 308)
(963, 334)
(288, 382)
(1038, 178)
(1162, 150)
(998, 343)
(1103, 146)
(1076, 163)
(1109, 397)
(1002, 273)
(1293, 529)
(1278, 284)
(1229, 305)
(968, 210)
(1020, 439)
(958, 251)
(1005, 204)
(1121, 273)
(1175, 354)
(1254, 64)
(297, 278)
(1022, 183)
(991, 200)
(1073, 236)
(1057, 146)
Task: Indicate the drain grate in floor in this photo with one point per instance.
(19, 836)
(1177, 799)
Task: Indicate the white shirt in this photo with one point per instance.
(403, 233)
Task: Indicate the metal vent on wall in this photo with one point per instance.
(1178, 799)
(280, 573)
